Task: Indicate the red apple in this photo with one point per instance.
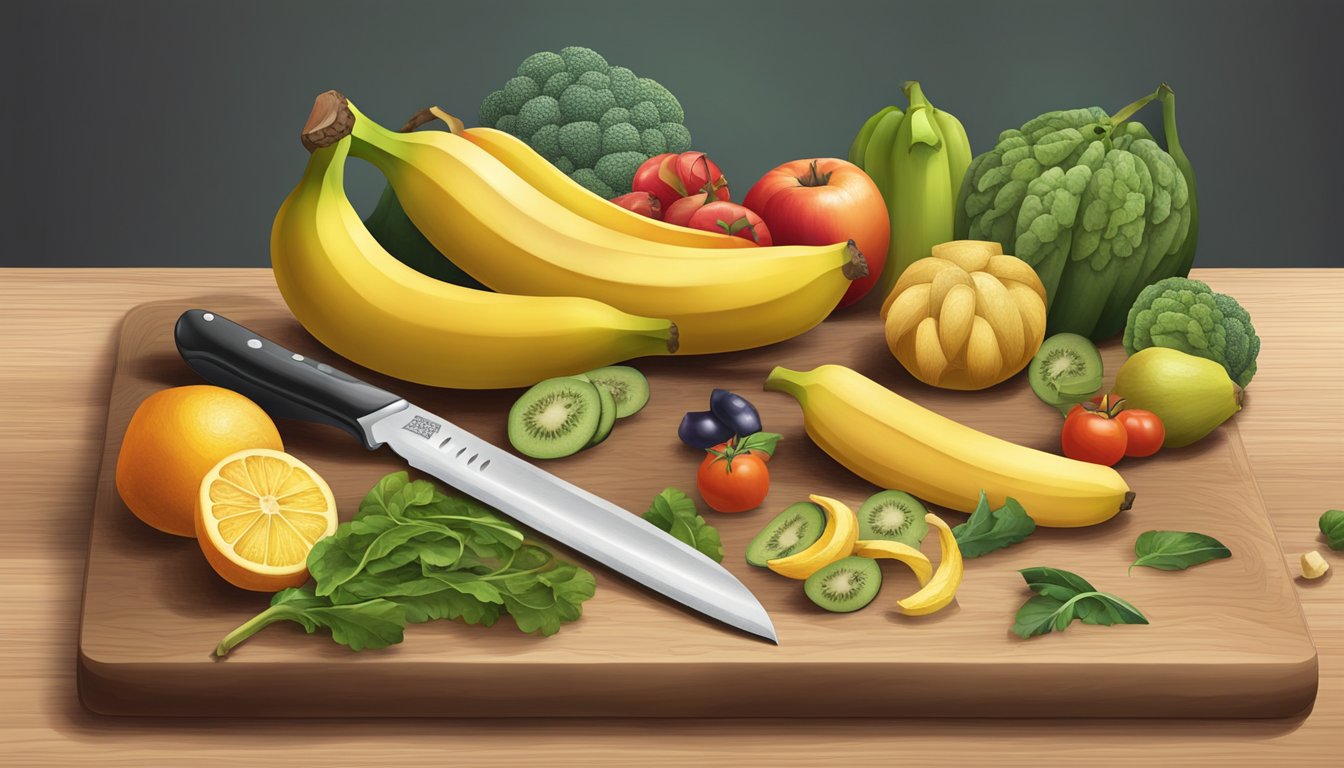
(825, 201)
(643, 203)
(730, 219)
(658, 177)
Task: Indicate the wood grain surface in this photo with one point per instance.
(1225, 640)
(58, 329)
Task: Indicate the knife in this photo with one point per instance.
(292, 386)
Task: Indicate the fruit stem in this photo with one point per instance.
(1128, 502)
(857, 266)
(784, 380)
(330, 121)
(429, 115)
(813, 178)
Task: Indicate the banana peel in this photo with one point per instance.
(837, 541)
(881, 549)
(938, 593)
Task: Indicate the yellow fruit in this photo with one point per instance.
(837, 541)
(966, 317)
(258, 513)
(175, 436)
(937, 594)
(894, 443)
(881, 549)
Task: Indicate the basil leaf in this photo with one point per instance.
(1056, 583)
(758, 441)
(1064, 597)
(674, 512)
(1176, 550)
(985, 531)
(1332, 525)
(1036, 616)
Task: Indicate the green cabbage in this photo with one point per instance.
(1092, 203)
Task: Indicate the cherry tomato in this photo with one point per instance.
(1093, 436)
(732, 482)
(1143, 430)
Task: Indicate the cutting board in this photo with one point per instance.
(1226, 639)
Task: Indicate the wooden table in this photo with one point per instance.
(57, 332)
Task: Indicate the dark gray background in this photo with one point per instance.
(166, 133)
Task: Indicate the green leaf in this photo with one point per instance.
(674, 512)
(985, 531)
(370, 624)
(1064, 597)
(758, 441)
(1176, 550)
(1332, 525)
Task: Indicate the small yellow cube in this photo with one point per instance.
(1314, 566)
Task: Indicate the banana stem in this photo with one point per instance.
(784, 380)
(920, 116)
(330, 121)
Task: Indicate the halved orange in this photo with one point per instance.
(258, 515)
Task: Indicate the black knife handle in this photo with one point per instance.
(286, 385)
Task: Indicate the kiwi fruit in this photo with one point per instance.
(555, 418)
(792, 531)
(1066, 369)
(846, 585)
(893, 516)
(627, 386)
(608, 415)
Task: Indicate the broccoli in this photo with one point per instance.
(595, 122)
(1187, 315)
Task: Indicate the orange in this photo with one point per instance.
(174, 438)
(258, 514)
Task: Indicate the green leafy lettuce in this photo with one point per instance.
(413, 554)
(674, 512)
(985, 530)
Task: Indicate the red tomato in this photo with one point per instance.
(1093, 436)
(697, 172)
(733, 484)
(730, 219)
(649, 178)
(1144, 431)
(683, 208)
(643, 203)
(825, 201)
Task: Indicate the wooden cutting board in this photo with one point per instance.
(1226, 639)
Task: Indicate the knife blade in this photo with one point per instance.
(290, 385)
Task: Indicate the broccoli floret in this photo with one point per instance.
(617, 170)
(579, 60)
(1187, 315)
(557, 83)
(595, 122)
(624, 86)
(669, 109)
(546, 141)
(621, 137)
(492, 108)
(652, 142)
(678, 138)
(644, 115)
(581, 143)
(540, 66)
(613, 116)
(518, 91)
(587, 177)
(543, 110)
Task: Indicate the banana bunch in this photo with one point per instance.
(894, 443)
(917, 158)
(357, 299)
(544, 237)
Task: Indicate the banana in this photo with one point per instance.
(958, 148)
(357, 299)
(923, 186)
(513, 238)
(881, 549)
(895, 443)
(550, 181)
(938, 592)
(837, 540)
(858, 149)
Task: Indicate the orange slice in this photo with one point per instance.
(258, 514)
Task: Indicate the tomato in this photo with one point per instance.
(1093, 435)
(730, 219)
(825, 201)
(1143, 430)
(643, 203)
(683, 208)
(670, 177)
(734, 483)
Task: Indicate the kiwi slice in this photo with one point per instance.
(845, 585)
(556, 417)
(626, 385)
(893, 516)
(608, 415)
(792, 531)
(1066, 370)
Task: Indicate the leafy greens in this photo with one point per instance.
(1176, 550)
(1332, 525)
(674, 512)
(413, 554)
(1062, 597)
(985, 531)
